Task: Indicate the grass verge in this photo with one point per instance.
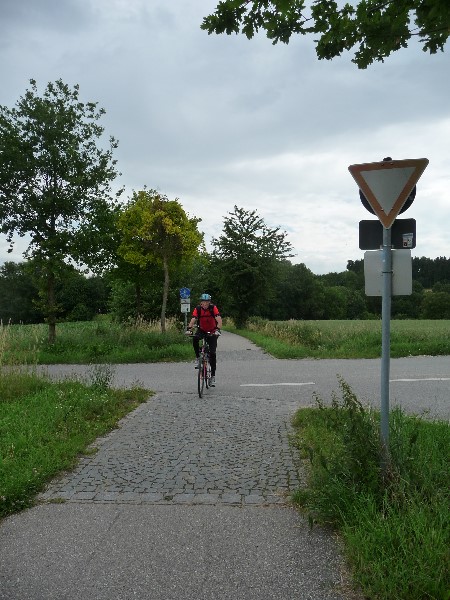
(45, 426)
(93, 341)
(113, 343)
(395, 525)
(347, 339)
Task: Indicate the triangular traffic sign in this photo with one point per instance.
(387, 184)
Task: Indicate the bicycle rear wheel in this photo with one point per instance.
(201, 376)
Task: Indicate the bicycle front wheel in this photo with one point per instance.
(201, 378)
(207, 375)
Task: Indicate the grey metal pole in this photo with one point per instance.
(386, 339)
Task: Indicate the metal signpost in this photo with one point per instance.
(185, 297)
(386, 189)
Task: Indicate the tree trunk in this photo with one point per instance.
(165, 295)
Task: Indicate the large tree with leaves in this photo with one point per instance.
(246, 255)
(375, 27)
(157, 231)
(55, 183)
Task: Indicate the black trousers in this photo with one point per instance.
(212, 341)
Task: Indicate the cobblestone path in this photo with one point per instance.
(178, 449)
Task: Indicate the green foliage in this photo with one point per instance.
(44, 427)
(396, 529)
(81, 298)
(291, 291)
(298, 293)
(101, 376)
(349, 456)
(157, 231)
(131, 300)
(94, 342)
(428, 271)
(55, 184)
(18, 294)
(436, 305)
(348, 339)
(375, 28)
(247, 254)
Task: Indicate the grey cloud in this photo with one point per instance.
(23, 15)
(220, 120)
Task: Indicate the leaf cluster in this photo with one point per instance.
(155, 229)
(246, 254)
(54, 176)
(375, 27)
(244, 233)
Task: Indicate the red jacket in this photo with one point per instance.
(206, 320)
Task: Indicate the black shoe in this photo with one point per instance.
(212, 381)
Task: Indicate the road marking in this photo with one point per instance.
(273, 384)
(424, 379)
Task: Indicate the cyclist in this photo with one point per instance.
(209, 322)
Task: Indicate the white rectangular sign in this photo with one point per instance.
(401, 272)
(185, 308)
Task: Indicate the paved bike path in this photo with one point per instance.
(188, 499)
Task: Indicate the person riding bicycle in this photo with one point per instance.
(209, 322)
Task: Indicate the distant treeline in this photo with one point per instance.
(295, 293)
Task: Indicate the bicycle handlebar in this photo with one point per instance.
(217, 332)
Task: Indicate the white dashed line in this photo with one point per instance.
(424, 379)
(273, 384)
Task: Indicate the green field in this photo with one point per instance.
(98, 341)
(348, 339)
(103, 341)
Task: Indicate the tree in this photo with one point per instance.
(18, 294)
(347, 279)
(55, 183)
(429, 271)
(436, 305)
(247, 253)
(295, 291)
(80, 297)
(156, 230)
(376, 27)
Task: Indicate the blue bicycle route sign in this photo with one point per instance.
(185, 293)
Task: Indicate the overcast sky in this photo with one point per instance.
(218, 121)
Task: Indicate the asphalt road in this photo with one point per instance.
(420, 384)
(188, 498)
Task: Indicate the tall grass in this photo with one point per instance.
(396, 529)
(348, 339)
(97, 341)
(108, 342)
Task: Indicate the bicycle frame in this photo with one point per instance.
(204, 368)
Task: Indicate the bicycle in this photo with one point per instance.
(204, 375)
(204, 368)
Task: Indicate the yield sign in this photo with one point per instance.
(387, 184)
